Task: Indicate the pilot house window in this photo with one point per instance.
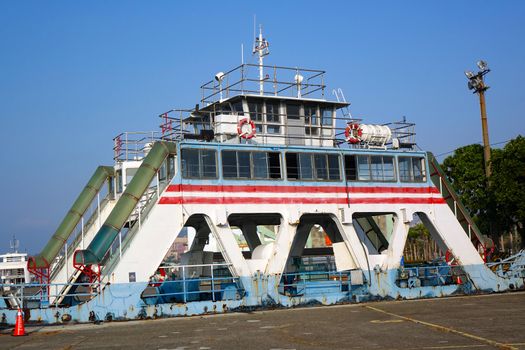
(311, 119)
(293, 111)
(326, 117)
(256, 113)
(272, 116)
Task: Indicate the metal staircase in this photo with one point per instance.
(446, 189)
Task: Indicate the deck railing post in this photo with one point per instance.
(98, 210)
(82, 231)
(184, 283)
(120, 244)
(212, 285)
(65, 260)
(139, 211)
(158, 185)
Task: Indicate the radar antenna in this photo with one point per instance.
(14, 244)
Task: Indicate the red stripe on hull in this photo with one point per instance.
(298, 189)
(255, 200)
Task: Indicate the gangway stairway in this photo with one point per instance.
(45, 264)
(130, 212)
(63, 272)
(446, 189)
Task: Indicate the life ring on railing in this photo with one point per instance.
(245, 123)
(353, 133)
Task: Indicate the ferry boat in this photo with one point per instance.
(284, 199)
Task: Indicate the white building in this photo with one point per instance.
(13, 268)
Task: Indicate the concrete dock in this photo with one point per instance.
(470, 322)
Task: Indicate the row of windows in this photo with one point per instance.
(269, 112)
(312, 166)
(370, 168)
(202, 163)
(251, 165)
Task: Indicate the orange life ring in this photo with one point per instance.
(353, 133)
(246, 135)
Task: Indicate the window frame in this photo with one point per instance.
(311, 129)
(273, 114)
(314, 168)
(412, 178)
(252, 165)
(182, 169)
(370, 172)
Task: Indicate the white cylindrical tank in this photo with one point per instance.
(375, 134)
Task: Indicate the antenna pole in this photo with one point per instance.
(261, 69)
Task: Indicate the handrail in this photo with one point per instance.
(111, 259)
(78, 238)
(453, 200)
(127, 202)
(70, 221)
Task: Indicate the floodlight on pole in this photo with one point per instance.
(477, 84)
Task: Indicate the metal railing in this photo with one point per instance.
(513, 266)
(133, 145)
(314, 283)
(279, 81)
(430, 276)
(34, 296)
(78, 237)
(137, 217)
(185, 283)
(448, 193)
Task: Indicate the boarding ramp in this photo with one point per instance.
(44, 264)
(446, 189)
(136, 201)
(63, 273)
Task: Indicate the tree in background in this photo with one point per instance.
(498, 205)
(508, 185)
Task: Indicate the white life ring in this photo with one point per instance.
(244, 124)
(353, 133)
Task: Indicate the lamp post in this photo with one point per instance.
(477, 84)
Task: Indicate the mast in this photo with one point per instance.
(261, 46)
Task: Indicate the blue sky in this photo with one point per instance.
(75, 74)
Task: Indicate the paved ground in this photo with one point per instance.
(474, 322)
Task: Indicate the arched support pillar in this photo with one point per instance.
(229, 248)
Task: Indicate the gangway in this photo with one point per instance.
(63, 273)
(90, 260)
(40, 265)
(439, 178)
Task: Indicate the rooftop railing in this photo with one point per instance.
(133, 145)
(277, 81)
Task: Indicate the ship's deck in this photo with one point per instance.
(473, 322)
